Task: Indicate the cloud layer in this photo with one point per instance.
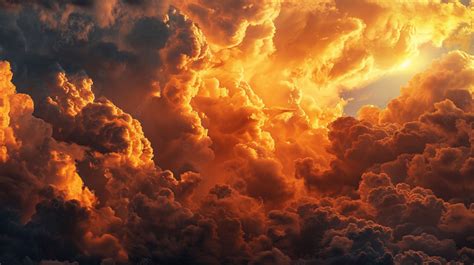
(211, 132)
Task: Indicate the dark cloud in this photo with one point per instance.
(140, 142)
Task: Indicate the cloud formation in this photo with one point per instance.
(211, 132)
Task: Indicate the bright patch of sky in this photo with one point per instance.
(387, 87)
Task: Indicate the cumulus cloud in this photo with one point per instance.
(25, 137)
(211, 132)
(448, 78)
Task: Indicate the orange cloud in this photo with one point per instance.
(212, 133)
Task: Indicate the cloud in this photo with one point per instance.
(211, 132)
(448, 78)
(25, 137)
(360, 145)
(234, 18)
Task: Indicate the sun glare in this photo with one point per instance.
(405, 64)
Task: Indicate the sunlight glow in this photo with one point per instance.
(407, 63)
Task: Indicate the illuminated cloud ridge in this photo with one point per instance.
(212, 132)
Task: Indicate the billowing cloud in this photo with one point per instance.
(211, 132)
(449, 78)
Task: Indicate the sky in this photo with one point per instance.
(380, 91)
(236, 132)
